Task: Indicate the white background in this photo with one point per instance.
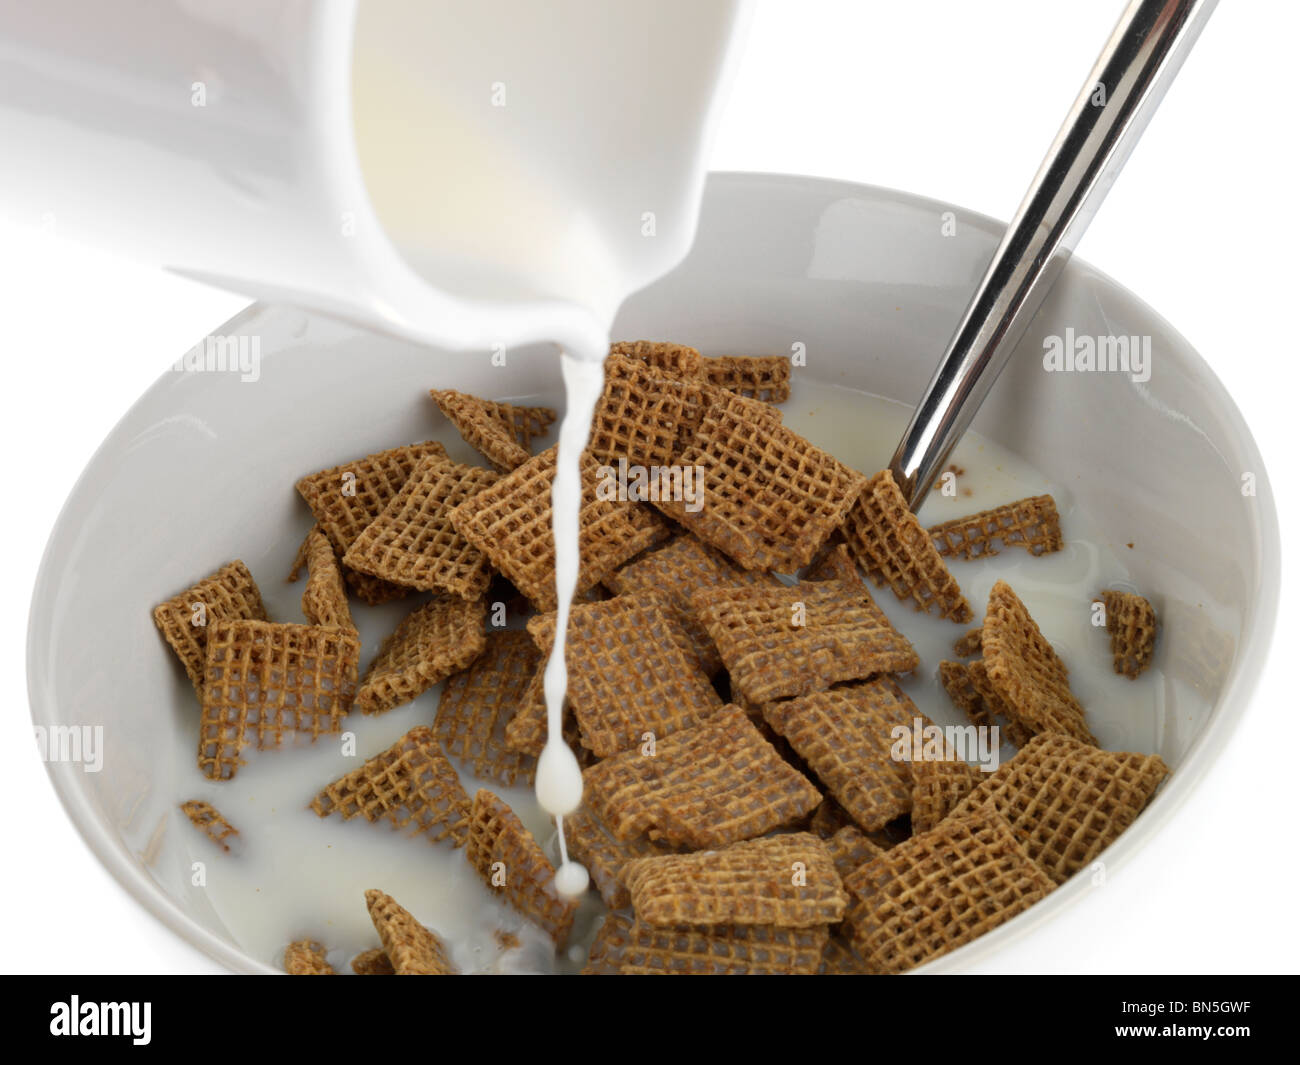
(955, 100)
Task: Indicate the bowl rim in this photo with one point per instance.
(1201, 756)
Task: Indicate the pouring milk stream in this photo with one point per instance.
(567, 238)
(469, 176)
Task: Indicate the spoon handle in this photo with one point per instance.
(1126, 85)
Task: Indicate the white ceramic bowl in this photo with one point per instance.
(200, 471)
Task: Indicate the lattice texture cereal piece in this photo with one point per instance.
(676, 360)
(477, 705)
(511, 524)
(707, 786)
(591, 843)
(641, 414)
(325, 599)
(970, 644)
(373, 962)
(1068, 800)
(680, 363)
(526, 730)
(230, 594)
(412, 542)
(208, 820)
(956, 680)
(968, 685)
(938, 787)
(429, 644)
(673, 573)
(991, 698)
(940, 890)
(787, 881)
(828, 818)
(761, 377)
(721, 950)
(896, 551)
(608, 946)
(1131, 622)
(306, 957)
(833, 563)
(850, 847)
(411, 785)
(1025, 671)
(509, 860)
(840, 959)
(266, 681)
(770, 497)
(779, 642)
(1031, 523)
(502, 432)
(411, 949)
(347, 498)
(845, 736)
(628, 675)
(371, 590)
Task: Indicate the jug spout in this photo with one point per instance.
(454, 174)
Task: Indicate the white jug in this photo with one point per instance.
(453, 172)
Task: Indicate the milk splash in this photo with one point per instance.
(559, 779)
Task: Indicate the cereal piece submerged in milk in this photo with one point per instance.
(207, 818)
(411, 948)
(1131, 622)
(306, 957)
(1032, 524)
(266, 683)
(891, 545)
(969, 644)
(412, 785)
(1027, 674)
(373, 962)
(511, 862)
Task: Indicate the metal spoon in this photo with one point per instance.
(1126, 85)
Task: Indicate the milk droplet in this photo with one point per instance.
(571, 880)
(559, 780)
